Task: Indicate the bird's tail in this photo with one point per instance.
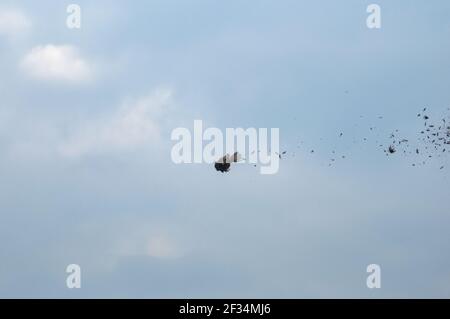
(236, 157)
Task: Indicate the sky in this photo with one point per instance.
(86, 175)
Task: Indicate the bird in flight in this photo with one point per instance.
(224, 164)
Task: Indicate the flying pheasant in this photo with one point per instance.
(224, 164)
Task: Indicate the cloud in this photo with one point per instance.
(162, 247)
(56, 62)
(134, 125)
(13, 21)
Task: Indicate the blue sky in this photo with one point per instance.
(86, 174)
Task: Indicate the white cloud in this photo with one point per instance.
(134, 125)
(148, 237)
(56, 62)
(13, 21)
(162, 247)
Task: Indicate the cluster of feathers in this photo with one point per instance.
(432, 142)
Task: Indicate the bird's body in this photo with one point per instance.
(224, 164)
(222, 167)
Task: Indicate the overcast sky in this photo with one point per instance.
(85, 170)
